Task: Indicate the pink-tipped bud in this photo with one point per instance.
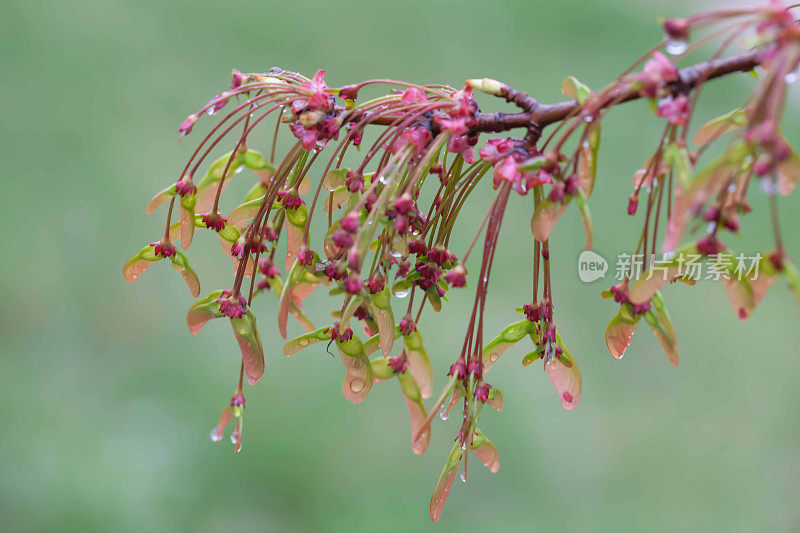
(215, 221)
(677, 29)
(352, 284)
(633, 204)
(351, 222)
(407, 326)
(403, 204)
(457, 277)
(709, 245)
(377, 283)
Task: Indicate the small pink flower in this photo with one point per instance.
(482, 391)
(412, 95)
(232, 307)
(398, 364)
(377, 283)
(417, 246)
(457, 277)
(657, 71)
(319, 100)
(237, 79)
(333, 273)
(709, 245)
(186, 126)
(215, 221)
(459, 369)
(268, 268)
(353, 284)
(185, 186)
(290, 199)
(342, 239)
(532, 312)
(351, 222)
(162, 248)
(675, 109)
(305, 256)
(354, 181)
(407, 326)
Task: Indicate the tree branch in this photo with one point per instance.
(542, 115)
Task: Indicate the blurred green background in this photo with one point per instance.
(107, 400)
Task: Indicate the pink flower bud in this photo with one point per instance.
(457, 277)
(633, 204)
(215, 221)
(351, 222)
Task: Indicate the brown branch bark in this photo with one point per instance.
(542, 115)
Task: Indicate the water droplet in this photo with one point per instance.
(216, 437)
(238, 169)
(791, 77)
(233, 438)
(588, 118)
(675, 47)
(211, 111)
(357, 384)
(494, 356)
(463, 477)
(585, 144)
(382, 179)
(303, 342)
(395, 254)
(443, 413)
(402, 294)
(768, 186)
(463, 445)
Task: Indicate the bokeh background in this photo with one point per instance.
(106, 400)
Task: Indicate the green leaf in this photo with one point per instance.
(445, 482)
(207, 187)
(510, 335)
(295, 272)
(161, 197)
(335, 179)
(181, 265)
(545, 216)
(565, 376)
(587, 164)
(658, 319)
(144, 259)
(718, 126)
(416, 411)
(575, 89)
(380, 303)
(359, 376)
(306, 340)
(619, 332)
(373, 343)
(485, 450)
(187, 219)
(246, 333)
(202, 311)
(295, 230)
(419, 363)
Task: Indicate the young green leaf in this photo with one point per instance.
(510, 335)
(416, 412)
(247, 336)
(445, 482)
(381, 306)
(419, 363)
(485, 450)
